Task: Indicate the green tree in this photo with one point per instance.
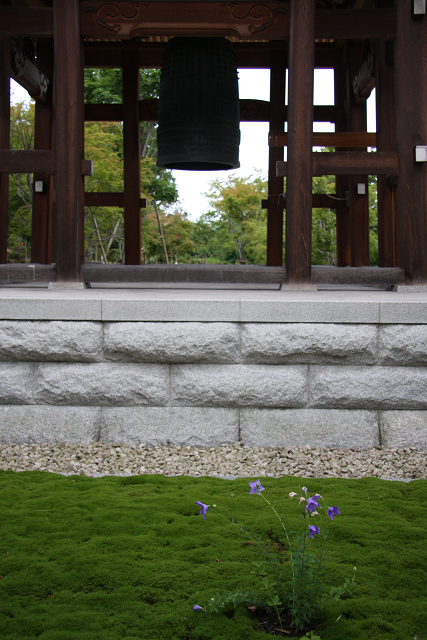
(20, 184)
(324, 235)
(104, 229)
(236, 204)
(373, 219)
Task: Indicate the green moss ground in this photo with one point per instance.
(110, 558)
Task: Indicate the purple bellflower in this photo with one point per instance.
(203, 509)
(312, 503)
(313, 530)
(333, 511)
(256, 487)
(196, 607)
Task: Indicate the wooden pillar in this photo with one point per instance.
(386, 141)
(41, 236)
(69, 116)
(411, 130)
(300, 142)
(341, 182)
(4, 141)
(132, 157)
(359, 204)
(275, 154)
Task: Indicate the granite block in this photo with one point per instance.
(177, 342)
(101, 384)
(159, 426)
(238, 385)
(377, 388)
(307, 343)
(309, 427)
(37, 424)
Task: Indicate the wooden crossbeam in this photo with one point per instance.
(347, 163)
(30, 22)
(319, 201)
(39, 161)
(330, 139)
(347, 24)
(176, 18)
(246, 274)
(108, 199)
(250, 55)
(250, 111)
(27, 161)
(221, 19)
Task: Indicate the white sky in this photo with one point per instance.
(253, 84)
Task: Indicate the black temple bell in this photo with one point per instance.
(199, 114)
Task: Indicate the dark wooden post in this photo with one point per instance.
(69, 114)
(132, 157)
(386, 141)
(4, 140)
(341, 182)
(359, 204)
(275, 154)
(411, 130)
(300, 142)
(41, 236)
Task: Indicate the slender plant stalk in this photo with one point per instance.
(289, 543)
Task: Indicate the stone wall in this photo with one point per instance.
(209, 383)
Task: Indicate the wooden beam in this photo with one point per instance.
(42, 161)
(129, 19)
(360, 24)
(221, 274)
(18, 273)
(368, 276)
(241, 20)
(236, 274)
(250, 55)
(27, 161)
(275, 183)
(42, 215)
(131, 158)
(29, 76)
(300, 141)
(319, 201)
(330, 139)
(386, 141)
(343, 231)
(347, 163)
(69, 119)
(4, 141)
(358, 203)
(411, 130)
(108, 199)
(29, 22)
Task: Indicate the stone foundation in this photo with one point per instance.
(203, 383)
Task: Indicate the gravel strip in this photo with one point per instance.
(230, 461)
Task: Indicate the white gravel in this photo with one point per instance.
(230, 461)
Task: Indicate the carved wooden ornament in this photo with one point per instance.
(245, 20)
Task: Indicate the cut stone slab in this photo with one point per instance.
(402, 429)
(403, 344)
(50, 341)
(349, 387)
(16, 383)
(309, 427)
(301, 343)
(180, 426)
(177, 342)
(37, 424)
(101, 384)
(238, 385)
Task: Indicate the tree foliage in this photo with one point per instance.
(233, 231)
